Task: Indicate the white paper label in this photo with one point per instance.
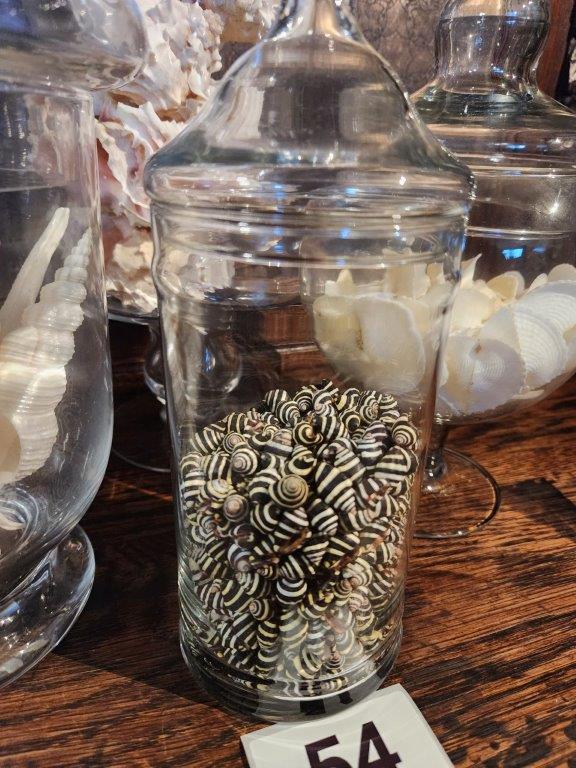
(387, 730)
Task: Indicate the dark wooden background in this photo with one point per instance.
(489, 653)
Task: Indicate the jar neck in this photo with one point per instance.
(490, 46)
(325, 17)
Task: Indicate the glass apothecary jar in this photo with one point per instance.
(55, 386)
(300, 380)
(512, 336)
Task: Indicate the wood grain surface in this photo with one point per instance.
(489, 652)
(554, 53)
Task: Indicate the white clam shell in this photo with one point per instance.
(562, 272)
(471, 308)
(436, 274)
(508, 285)
(482, 375)
(558, 308)
(538, 341)
(538, 282)
(343, 286)
(410, 280)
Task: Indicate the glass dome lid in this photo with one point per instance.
(310, 102)
(71, 44)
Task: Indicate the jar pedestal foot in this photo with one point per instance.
(458, 498)
(36, 616)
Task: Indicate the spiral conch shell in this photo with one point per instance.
(36, 343)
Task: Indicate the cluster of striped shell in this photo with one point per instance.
(296, 516)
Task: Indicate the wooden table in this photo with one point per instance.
(489, 652)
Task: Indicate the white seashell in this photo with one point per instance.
(336, 324)
(565, 287)
(409, 280)
(508, 285)
(467, 271)
(532, 394)
(471, 308)
(438, 298)
(558, 308)
(29, 279)
(71, 275)
(538, 341)
(421, 312)
(482, 374)
(562, 272)
(392, 344)
(343, 286)
(538, 282)
(436, 274)
(33, 361)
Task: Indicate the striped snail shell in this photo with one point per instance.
(190, 461)
(330, 427)
(307, 664)
(342, 591)
(208, 592)
(316, 637)
(323, 519)
(217, 490)
(266, 547)
(244, 460)
(295, 566)
(291, 524)
(288, 413)
(368, 411)
(334, 487)
(290, 491)
(341, 619)
(236, 422)
(260, 485)
(387, 507)
(305, 434)
(345, 642)
(358, 573)
(261, 609)
(333, 663)
(365, 618)
(303, 399)
(232, 440)
(323, 399)
(216, 548)
(301, 462)
(372, 642)
(242, 534)
(396, 465)
(349, 465)
(269, 420)
(348, 400)
(381, 590)
(235, 597)
(254, 585)
(243, 630)
(404, 434)
(281, 443)
(267, 633)
(369, 490)
(267, 570)
(340, 547)
(294, 627)
(330, 451)
(387, 403)
(273, 463)
(373, 533)
(265, 517)
(239, 558)
(208, 439)
(359, 518)
(216, 466)
(191, 486)
(235, 507)
(326, 385)
(358, 599)
(351, 420)
(290, 591)
(390, 417)
(370, 451)
(259, 440)
(274, 398)
(313, 551)
(385, 552)
(315, 605)
(266, 660)
(380, 432)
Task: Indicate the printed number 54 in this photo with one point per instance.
(370, 736)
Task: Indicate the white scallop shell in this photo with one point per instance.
(508, 285)
(570, 338)
(33, 359)
(471, 308)
(558, 308)
(537, 340)
(483, 375)
(392, 344)
(562, 272)
(538, 282)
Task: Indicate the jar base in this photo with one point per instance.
(273, 707)
(459, 501)
(36, 616)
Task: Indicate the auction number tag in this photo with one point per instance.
(386, 730)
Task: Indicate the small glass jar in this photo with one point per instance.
(55, 384)
(300, 383)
